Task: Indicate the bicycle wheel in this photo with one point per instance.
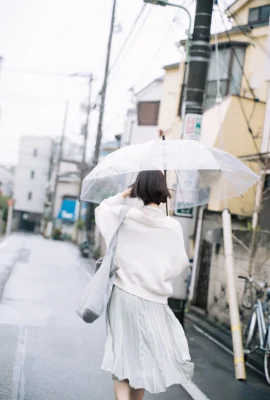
(249, 296)
(267, 357)
(250, 330)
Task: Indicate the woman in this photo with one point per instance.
(146, 348)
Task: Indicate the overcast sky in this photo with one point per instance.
(68, 36)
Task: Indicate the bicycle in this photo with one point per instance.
(257, 323)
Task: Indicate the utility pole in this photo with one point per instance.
(104, 88)
(199, 58)
(192, 109)
(83, 168)
(59, 161)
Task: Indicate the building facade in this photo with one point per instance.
(236, 125)
(6, 181)
(31, 177)
(142, 120)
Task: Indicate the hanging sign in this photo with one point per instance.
(187, 190)
(192, 127)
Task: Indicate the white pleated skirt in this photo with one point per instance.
(145, 344)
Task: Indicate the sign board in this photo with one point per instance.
(70, 209)
(192, 127)
(183, 212)
(188, 180)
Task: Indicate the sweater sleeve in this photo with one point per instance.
(180, 258)
(107, 216)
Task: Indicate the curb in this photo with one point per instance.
(222, 335)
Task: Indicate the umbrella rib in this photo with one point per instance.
(81, 196)
(181, 191)
(233, 184)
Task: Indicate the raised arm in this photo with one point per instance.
(107, 215)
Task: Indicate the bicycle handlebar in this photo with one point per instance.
(251, 280)
(244, 277)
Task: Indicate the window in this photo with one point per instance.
(32, 174)
(35, 153)
(259, 15)
(267, 182)
(29, 195)
(148, 112)
(231, 61)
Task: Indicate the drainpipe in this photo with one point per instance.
(239, 363)
(196, 253)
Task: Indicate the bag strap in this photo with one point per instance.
(122, 216)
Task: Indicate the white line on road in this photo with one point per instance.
(202, 332)
(194, 391)
(18, 387)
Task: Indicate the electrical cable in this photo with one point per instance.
(117, 115)
(119, 54)
(247, 120)
(128, 37)
(235, 54)
(247, 31)
(111, 78)
(161, 44)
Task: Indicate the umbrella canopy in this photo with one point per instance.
(200, 171)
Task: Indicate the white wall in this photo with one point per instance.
(40, 164)
(134, 133)
(6, 180)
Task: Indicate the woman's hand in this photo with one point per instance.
(126, 193)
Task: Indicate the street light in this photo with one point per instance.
(164, 3)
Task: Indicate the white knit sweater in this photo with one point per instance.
(150, 248)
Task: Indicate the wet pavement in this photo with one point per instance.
(48, 353)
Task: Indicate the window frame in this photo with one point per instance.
(259, 20)
(232, 47)
(157, 103)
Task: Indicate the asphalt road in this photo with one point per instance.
(48, 353)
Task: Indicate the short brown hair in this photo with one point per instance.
(150, 187)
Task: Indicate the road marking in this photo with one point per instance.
(201, 331)
(18, 386)
(194, 391)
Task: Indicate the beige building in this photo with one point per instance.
(236, 124)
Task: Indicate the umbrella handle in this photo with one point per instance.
(165, 174)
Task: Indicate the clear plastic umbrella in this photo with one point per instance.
(200, 171)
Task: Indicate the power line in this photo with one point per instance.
(117, 114)
(247, 120)
(130, 47)
(247, 32)
(235, 54)
(161, 44)
(128, 37)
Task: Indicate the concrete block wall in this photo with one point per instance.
(217, 291)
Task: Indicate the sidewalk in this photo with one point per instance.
(222, 335)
